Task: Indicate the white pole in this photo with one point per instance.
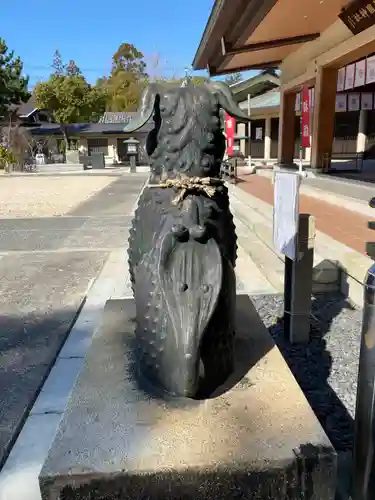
(249, 127)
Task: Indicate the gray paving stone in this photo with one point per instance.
(39, 299)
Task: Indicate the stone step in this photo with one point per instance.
(255, 235)
(266, 261)
(256, 433)
(332, 257)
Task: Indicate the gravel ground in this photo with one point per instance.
(327, 368)
(47, 196)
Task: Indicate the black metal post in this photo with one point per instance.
(363, 487)
(133, 167)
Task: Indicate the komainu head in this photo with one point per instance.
(187, 139)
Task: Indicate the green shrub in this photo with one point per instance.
(6, 157)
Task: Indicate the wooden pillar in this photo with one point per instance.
(324, 116)
(267, 138)
(286, 128)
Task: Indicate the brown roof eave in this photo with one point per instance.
(233, 21)
(222, 14)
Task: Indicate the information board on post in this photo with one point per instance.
(286, 213)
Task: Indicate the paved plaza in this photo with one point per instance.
(55, 236)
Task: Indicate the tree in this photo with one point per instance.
(123, 90)
(129, 59)
(60, 69)
(71, 100)
(13, 86)
(127, 80)
(72, 69)
(69, 96)
(233, 78)
(96, 102)
(57, 64)
(18, 144)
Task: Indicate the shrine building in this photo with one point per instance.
(325, 45)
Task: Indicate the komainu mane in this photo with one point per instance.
(182, 246)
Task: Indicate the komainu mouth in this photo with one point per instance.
(182, 246)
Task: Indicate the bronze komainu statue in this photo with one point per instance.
(182, 246)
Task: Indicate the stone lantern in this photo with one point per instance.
(132, 146)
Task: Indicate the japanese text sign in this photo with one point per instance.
(230, 126)
(358, 15)
(305, 118)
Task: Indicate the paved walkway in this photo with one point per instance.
(46, 266)
(343, 225)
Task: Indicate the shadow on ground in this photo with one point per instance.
(326, 368)
(26, 359)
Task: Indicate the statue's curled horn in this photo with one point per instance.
(182, 246)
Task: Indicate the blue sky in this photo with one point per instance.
(90, 31)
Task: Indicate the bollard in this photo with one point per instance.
(133, 165)
(298, 281)
(363, 479)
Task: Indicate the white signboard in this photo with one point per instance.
(286, 213)
(312, 98)
(349, 76)
(298, 102)
(341, 102)
(370, 74)
(360, 73)
(354, 101)
(366, 100)
(341, 79)
(259, 133)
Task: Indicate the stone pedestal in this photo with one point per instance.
(72, 156)
(255, 438)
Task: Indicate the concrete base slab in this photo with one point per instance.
(255, 438)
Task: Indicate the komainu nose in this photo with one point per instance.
(198, 233)
(180, 232)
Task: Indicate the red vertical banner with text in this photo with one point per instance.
(305, 118)
(230, 126)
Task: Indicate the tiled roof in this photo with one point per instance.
(268, 100)
(264, 78)
(88, 128)
(27, 107)
(117, 117)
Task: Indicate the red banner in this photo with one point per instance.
(230, 127)
(305, 118)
